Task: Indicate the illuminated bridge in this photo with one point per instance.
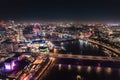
(84, 57)
(107, 47)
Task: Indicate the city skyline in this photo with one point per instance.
(58, 50)
(84, 11)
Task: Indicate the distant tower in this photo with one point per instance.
(37, 29)
(20, 37)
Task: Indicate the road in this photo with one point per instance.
(44, 69)
(36, 69)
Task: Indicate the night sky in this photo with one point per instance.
(71, 10)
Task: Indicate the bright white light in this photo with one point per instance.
(41, 44)
(7, 66)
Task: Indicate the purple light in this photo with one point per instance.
(13, 65)
(7, 66)
(20, 57)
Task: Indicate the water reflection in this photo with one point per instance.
(79, 67)
(60, 66)
(108, 70)
(69, 67)
(89, 69)
(82, 47)
(78, 72)
(98, 69)
(78, 77)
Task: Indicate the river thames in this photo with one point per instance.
(78, 69)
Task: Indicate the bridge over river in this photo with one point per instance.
(103, 58)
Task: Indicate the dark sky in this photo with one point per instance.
(78, 10)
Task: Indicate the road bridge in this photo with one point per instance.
(103, 58)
